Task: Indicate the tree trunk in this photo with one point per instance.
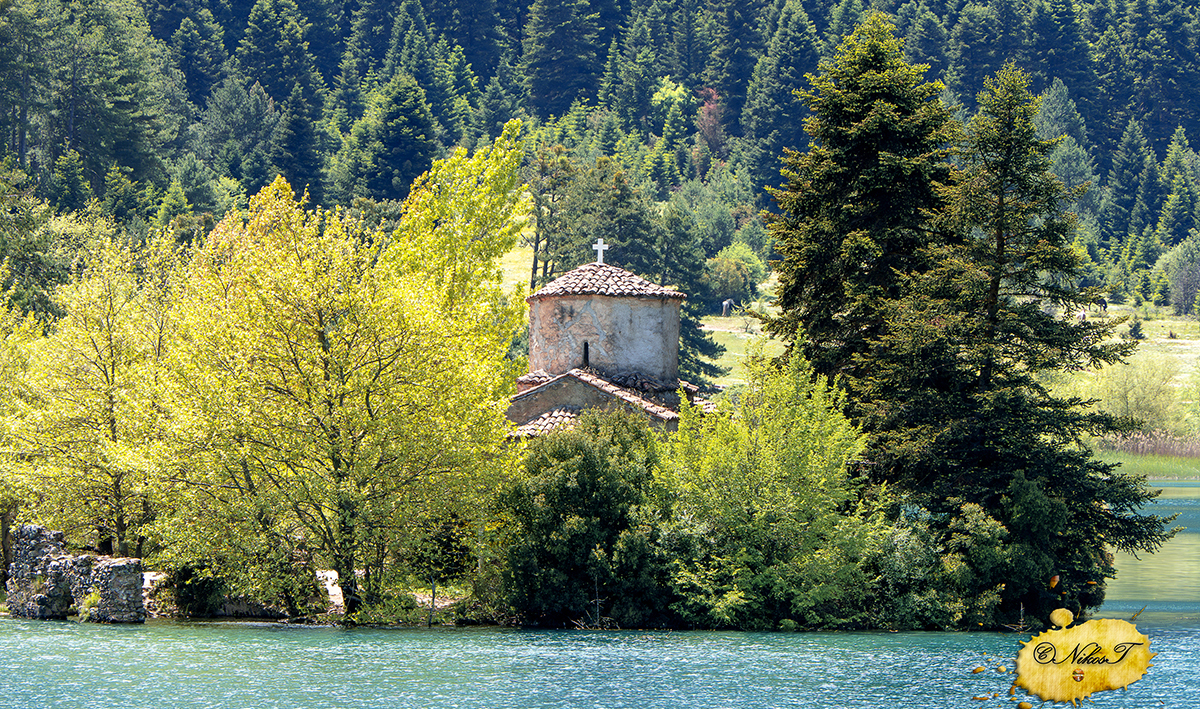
(6, 519)
(432, 601)
(348, 582)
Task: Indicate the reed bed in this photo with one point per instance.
(1158, 443)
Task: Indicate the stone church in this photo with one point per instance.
(600, 336)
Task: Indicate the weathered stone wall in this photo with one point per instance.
(622, 334)
(45, 582)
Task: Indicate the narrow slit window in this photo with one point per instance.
(585, 354)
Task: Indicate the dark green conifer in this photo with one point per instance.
(121, 198)
(957, 413)
(1131, 159)
(69, 187)
(473, 25)
(274, 51)
(294, 150)
(974, 45)
(773, 119)
(199, 48)
(389, 147)
(856, 205)
(691, 42)
(737, 45)
(926, 43)
(559, 61)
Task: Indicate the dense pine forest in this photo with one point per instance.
(256, 323)
(180, 111)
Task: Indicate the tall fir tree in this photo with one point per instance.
(773, 118)
(737, 45)
(1056, 39)
(295, 147)
(473, 25)
(390, 146)
(926, 43)
(199, 48)
(958, 415)
(691, 42)
(1131, 160)
(855, 209)
(974, 45)
(559, 60)
(274, 51)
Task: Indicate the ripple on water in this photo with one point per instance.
(188, 666)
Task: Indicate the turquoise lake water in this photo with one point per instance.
(251, 665)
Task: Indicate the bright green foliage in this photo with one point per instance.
(334, 384)
(953, 400)
(1178, 215)
(174, 203)
(734, 272)
(855, 210)
(760, 499)
(583, 550)
(87, 424)
(1144, 389)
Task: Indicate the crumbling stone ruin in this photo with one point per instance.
(44, 582)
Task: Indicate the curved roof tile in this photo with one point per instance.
(604, 279)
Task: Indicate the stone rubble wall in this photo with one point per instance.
(46, 583)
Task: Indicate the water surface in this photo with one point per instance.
(261, 665)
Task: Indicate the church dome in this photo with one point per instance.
(604, 279)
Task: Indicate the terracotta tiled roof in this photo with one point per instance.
(563, 417)
(536, 377)
(604, 279)
(660, 412)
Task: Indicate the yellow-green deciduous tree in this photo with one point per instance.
(86, 424)
(338, 384)
(761, 488)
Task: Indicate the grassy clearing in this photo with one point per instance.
(515, 265)
(737, 333)
(1154, 467)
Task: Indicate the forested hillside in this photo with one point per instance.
(173, 113)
